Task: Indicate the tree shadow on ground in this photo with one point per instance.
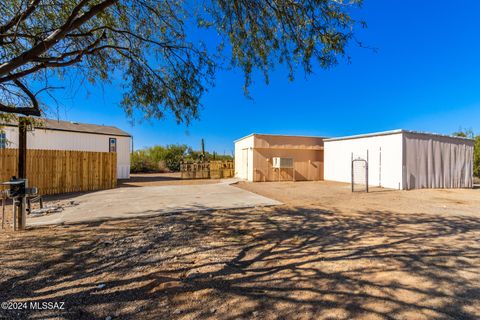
(270, 263)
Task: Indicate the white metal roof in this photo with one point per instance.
(390, 132)
(277, 135)
(70, 126)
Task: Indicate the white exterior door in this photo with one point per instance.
(245, 163)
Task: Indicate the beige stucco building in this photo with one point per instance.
(255, 153)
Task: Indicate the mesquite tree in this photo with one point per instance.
(150, 46)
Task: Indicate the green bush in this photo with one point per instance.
(468, 133)
(140, 162)
(168, 158)
(158, 159)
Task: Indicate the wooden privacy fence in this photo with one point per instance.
(59, 171)
(221, 169)
(208, 170)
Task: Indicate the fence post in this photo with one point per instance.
(22, 168)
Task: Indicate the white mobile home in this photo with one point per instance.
(64, 135)
(402, 159)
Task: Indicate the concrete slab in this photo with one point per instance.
(145, 201)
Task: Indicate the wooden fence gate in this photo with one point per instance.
(215, 169)
(59, 171)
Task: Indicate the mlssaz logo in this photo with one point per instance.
(36, 305)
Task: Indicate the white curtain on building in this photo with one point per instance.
(437, 162)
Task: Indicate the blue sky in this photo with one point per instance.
(425, 76)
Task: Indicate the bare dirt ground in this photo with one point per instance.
(338, 196)
(325, 254)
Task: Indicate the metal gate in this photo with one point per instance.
(359, 175)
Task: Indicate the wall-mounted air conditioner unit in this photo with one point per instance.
(282, 162)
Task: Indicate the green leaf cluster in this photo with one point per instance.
(468, 133)
(150, 49)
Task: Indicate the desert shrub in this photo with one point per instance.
(197, 156)
(468, 133)
(158, 158)
(168, 158)
(141, 162)
(222, 157)
(174, 156)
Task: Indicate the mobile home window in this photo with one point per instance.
(113, 145)
(3, 140)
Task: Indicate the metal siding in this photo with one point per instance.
(240, 164)
(386, 173)
(306, 151)
(433, 161)
(123, 157)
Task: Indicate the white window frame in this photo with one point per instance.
(3, 139)
(110, 145)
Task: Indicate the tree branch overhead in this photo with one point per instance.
(148, 43)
